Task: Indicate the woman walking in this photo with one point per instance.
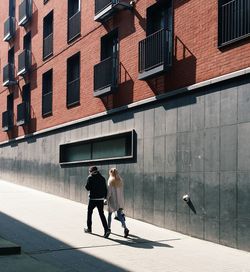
(115, 198)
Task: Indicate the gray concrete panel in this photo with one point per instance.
(183, 115)
(171, 119)
(183, 180)
(139, 123)
(212, 109)
(228, 195)
(228, 232)
(170, 192)
(212, 195)
(149, 122)
(170, 220)
(197, 151)
(243, 146)
(228, 148)
(211, 230)
(148, 197)
(138, 181)
(196, 226)
(228, 106)
(198, 114)
(244, 103)
(159, 205)
(212, 150)
(183, 152)
(243, 187)
(197, 193)
(160, 122)
(243, 234)
(182, 222)
(171, 151)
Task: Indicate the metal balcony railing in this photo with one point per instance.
(24, 62)
(23, 113)
(9, 74)
(73, 92)
(155, 51)
(9, 29)
(48, 46)
(47, 104)
(7, 120)
(106, 74)
(234, 21)
(25, 12)
(74, 26)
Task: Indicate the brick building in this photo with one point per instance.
(159, 89)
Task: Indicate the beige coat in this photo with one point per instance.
(115, 198)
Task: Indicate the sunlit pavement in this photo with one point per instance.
(49, 230)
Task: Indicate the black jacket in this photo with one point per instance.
(96, 185)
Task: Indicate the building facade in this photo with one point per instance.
(158, 89)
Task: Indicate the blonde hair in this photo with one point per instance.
(114, 178)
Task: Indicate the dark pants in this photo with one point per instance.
(99, 205)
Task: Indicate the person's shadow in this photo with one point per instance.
(138, 242)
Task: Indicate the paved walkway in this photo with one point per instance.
(49, 230)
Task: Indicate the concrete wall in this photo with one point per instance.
(196, 58)
(196, 144)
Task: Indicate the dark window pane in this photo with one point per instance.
(109, 148)
(112, 147)
(77, 153)
(73, 68)
(73, 7)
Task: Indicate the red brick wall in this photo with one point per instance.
(196, 57)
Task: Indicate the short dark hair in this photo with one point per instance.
(92, 169)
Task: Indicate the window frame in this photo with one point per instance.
(129, 134)
(220, 43)
(71, 59)
(45, 114)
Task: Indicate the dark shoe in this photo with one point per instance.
(126, 232)
(107, 233)
(87, 230)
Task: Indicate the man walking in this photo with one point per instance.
(96, 185)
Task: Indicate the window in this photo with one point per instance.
(25, 12)
(9, 69)
(112, 147)
(7, 116)
(234, 21)
(27, 41)
(74, 19)
(23, 109)
(73, 80)
(24, 59)
(11, 55)
(106, 72)
(48, 35)
(9, 24)
(12, 8)
(155, 52)
(47, 86)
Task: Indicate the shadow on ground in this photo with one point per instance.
(45, 248)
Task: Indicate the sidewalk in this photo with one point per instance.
(49, 230)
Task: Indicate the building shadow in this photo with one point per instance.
(181, 73)
(179, 3)
(126, 22)
(48, 249)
